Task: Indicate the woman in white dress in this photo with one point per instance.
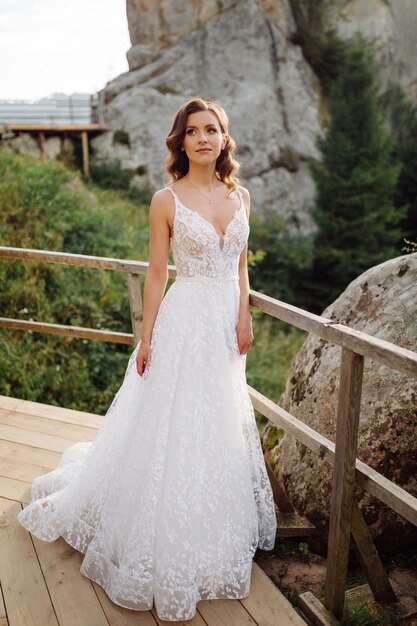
(172, 499)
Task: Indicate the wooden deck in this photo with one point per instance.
(40, 582)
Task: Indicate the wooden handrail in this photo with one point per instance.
(369, 479)
(346, 519)
(79, 332)
(380, 350)
(384, 352)
(79, 260)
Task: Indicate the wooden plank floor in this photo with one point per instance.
(40, 582)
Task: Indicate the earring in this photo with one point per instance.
(182, 149)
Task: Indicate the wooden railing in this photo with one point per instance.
(346, 520)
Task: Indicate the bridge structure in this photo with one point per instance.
(78, 116)
(33, 437)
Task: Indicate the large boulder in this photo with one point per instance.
(381, 302)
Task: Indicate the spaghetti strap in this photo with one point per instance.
(172, 191)
(240, 194)
(242, 202)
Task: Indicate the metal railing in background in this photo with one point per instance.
(61, 109)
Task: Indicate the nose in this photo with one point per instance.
(203, 137)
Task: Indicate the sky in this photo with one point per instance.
(60, 46)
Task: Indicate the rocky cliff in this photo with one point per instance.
(381, 302)
(240, 53)
(392, 25)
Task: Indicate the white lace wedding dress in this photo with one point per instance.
(171, 500)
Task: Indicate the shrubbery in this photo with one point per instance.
(365, 207)
(44, 206)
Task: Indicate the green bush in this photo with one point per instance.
(270, 356)
(44, 206)
(109, 174)
(283, 267)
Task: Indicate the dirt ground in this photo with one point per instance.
(294, 570)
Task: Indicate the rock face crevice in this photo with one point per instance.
(382, 302)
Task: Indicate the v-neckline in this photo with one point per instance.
(222, 236)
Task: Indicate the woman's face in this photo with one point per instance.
(203, 139)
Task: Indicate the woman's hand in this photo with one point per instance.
(143, 357)
(244, 332)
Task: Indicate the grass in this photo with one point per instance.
(365, 615)
(292, 597)
(271, 354)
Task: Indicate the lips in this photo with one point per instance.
(204, 150)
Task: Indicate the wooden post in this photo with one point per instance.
(42, 145)
(86, 164)
(343, 486)
(369, 559)
(136, 311)
(280, 495)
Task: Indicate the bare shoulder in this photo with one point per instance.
(245, 193)
(162, 204)
(162, 208)
(162, 197)
(246, 198)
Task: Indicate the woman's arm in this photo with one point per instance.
(157, 274)
(244, 325)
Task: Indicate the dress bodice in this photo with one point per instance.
(199, 251)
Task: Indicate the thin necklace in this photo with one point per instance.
(210, 198)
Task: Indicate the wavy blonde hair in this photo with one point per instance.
(177, 163)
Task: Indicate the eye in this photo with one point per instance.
(190, 130)
(213, 129)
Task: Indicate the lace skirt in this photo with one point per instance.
(171, 500)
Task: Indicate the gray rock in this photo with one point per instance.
(392, 25)
(25, 145)
(241, 55)
(52, 147)
(381, 302)
(238, 54)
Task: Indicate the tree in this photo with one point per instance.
(355, 181)
(403, 122)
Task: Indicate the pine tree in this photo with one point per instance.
(402, 115)
(355, 181)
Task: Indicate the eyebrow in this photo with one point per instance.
(191, 126)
